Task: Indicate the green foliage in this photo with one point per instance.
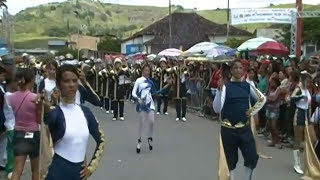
(108, 13)
(53, 8)
(103, 17)
(109, 44)
(310, 32)
(179, 8)
(78, 6)
(234, 43)
(56, 31)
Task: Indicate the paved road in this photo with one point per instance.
(182, 151)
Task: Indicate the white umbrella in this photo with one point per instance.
(170, 52)
(214, 52)
(151, 57)
(202, 47)
(253, 44)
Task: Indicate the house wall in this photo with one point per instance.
(273, 33)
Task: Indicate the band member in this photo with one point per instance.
(118, 89)
(301, 99)
(232, 101)
(107, 87)
(163, 78)
(70, 126)
(180, 75)
(143, 91)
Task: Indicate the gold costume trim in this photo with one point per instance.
(93, 165)
(311, 162)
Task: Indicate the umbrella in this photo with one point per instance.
(253, 44)
(151, 57)
(202, 47)
(214, 52)
(198, 58)
(170, 52)
(273, 48)
(4, 51)
(220, 50)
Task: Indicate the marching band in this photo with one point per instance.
(112, 82)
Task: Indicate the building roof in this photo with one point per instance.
(187, 28)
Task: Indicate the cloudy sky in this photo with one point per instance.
(18, 5)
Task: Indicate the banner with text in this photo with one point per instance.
(263, 15)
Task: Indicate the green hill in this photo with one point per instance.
(57, 20)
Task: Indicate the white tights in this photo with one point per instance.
(146, 118)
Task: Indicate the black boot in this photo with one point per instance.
(138, 146)
(150, 143)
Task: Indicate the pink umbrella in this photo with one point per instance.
(170, 52)
(273, 48)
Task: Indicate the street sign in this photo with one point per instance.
(133, 48)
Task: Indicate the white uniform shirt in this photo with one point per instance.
(73, 145)
(304, 102)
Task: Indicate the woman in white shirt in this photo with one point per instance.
(143, 91)
(301, 98)
(70, 125)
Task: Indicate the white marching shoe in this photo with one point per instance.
(121, 118)
(177, 119)
(114, 119)
(184, 119)
(297, 162)
(107, 112)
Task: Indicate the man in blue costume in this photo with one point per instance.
(233, 102)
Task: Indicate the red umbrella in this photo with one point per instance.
(272, 48)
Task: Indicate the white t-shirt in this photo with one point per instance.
(73, 145)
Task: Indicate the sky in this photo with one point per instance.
(17, 5)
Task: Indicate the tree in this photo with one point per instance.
(310, 32)
(234, 43)
(78, 6)
(109, 44)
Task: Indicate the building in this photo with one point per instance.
(187, 29)
(57, 45)
(88, 45)
(274, 32)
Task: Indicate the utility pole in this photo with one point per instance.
(170, 25)
(228, 19)
(299, 29)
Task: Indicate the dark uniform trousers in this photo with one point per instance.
(164, 97)
(181, 102)
(239, 138)
(118, 103)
